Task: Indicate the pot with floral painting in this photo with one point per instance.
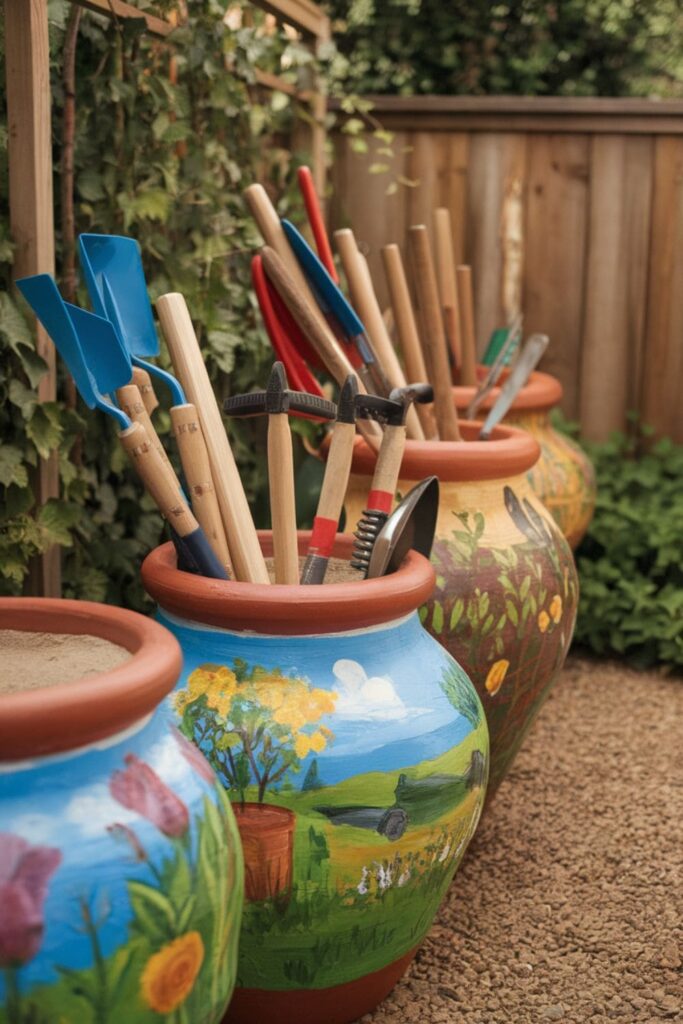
(120, 865)
(355, 752)
(563, 477)
(506, 586)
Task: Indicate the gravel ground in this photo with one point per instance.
(569, 905)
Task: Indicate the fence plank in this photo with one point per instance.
(31, 225)
(555, 232)
(663, 351)
(616, 285)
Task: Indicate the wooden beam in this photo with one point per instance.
(119, 9)
(27, 58)
(301, 14)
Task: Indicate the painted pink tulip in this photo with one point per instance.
(194, 756)
(25, 871)
(139, 788)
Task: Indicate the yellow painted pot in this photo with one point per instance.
(563, 478)
(506, 586)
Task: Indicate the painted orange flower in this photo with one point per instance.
(543, 621)
(497, 673)
(556, 609)
(170, 974)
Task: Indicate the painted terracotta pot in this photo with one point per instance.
(506, 592)
(355, 752)
(563, 478)
(120, 863)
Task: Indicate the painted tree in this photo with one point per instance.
(461, 694)
(255, 725)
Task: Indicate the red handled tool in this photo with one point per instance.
(315, 219)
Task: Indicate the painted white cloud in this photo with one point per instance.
(91, 810)
(364, 697)
(34, 827)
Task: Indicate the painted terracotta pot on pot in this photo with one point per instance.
(121, 881)
(355, 752)
(506, 585)
(563, 477)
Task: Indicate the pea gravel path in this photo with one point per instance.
(569, 905)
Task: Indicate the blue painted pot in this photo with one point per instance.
(121, 878)
(355, 752)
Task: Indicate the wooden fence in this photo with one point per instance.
(599, 188)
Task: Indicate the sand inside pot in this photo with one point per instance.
(338, 571)
(33, 661)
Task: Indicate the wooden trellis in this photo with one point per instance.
(30, 167)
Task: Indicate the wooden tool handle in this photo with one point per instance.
(190, 369)
(270, 226)
(162, 485)
(282, 503)
(433, 339)
(337, 472)
(406, 328)
(143, 382)
(445, 272)
(197, 469)
(130, 400)
(388, 466)
(468, 374)
(365, 301)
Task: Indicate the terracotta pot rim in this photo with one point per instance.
(541, 393)
(509, 452)
(284, 610)
(59, 718)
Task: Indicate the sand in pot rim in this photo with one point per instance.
(33, 660)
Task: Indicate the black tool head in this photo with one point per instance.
(421, 393)
(277, 398)
(346, 406)
(384, 410)
(277, 393)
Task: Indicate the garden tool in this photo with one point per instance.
(245, 550)
(508, 349)
(497, 341)
(406, 328)
(335, 480)
(336, 362)
(89, 346)
(143, 382)
(393, 412)
(468, 366)
(528, 359)
(445, 271)
(365, 301)
(340, 315)
(273, 312)
(410, 526)
(315, 219)
(277, 401)
(433, 337)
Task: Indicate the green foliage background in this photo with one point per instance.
(166, 163)
(571, 48)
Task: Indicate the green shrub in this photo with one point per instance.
(630, 561)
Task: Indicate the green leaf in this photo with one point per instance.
(56, 518)
(154, 915)
(12, 468)
(437, 618)
(456, 613)
(44, 428)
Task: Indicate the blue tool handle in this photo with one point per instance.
(317, 275)
(196, 555)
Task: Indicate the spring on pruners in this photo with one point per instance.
(367, 529)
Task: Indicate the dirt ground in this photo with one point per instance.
(569, 904)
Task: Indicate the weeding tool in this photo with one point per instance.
(393, 412)
(433, 337)
(365, 301)
(112, 266)
(445, 270)
(335, 360)
(528, 359)
(277, 401)
(509, 347)
(315, 219)
(468, 367)
(245, 550)
(89, 346)
(340, 314)
(410, 526)
(406, 328)
(143, 382)
(335, 480)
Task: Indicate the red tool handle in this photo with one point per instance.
(300, 377)
(315, 219)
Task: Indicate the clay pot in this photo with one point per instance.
(356, 753)
(563, 478)
(506, 594)
(120, 865)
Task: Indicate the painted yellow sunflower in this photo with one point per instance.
(543, 621)
(556, 609)
(170, 974)
(497, 673)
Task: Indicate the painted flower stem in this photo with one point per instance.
(13, 996)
